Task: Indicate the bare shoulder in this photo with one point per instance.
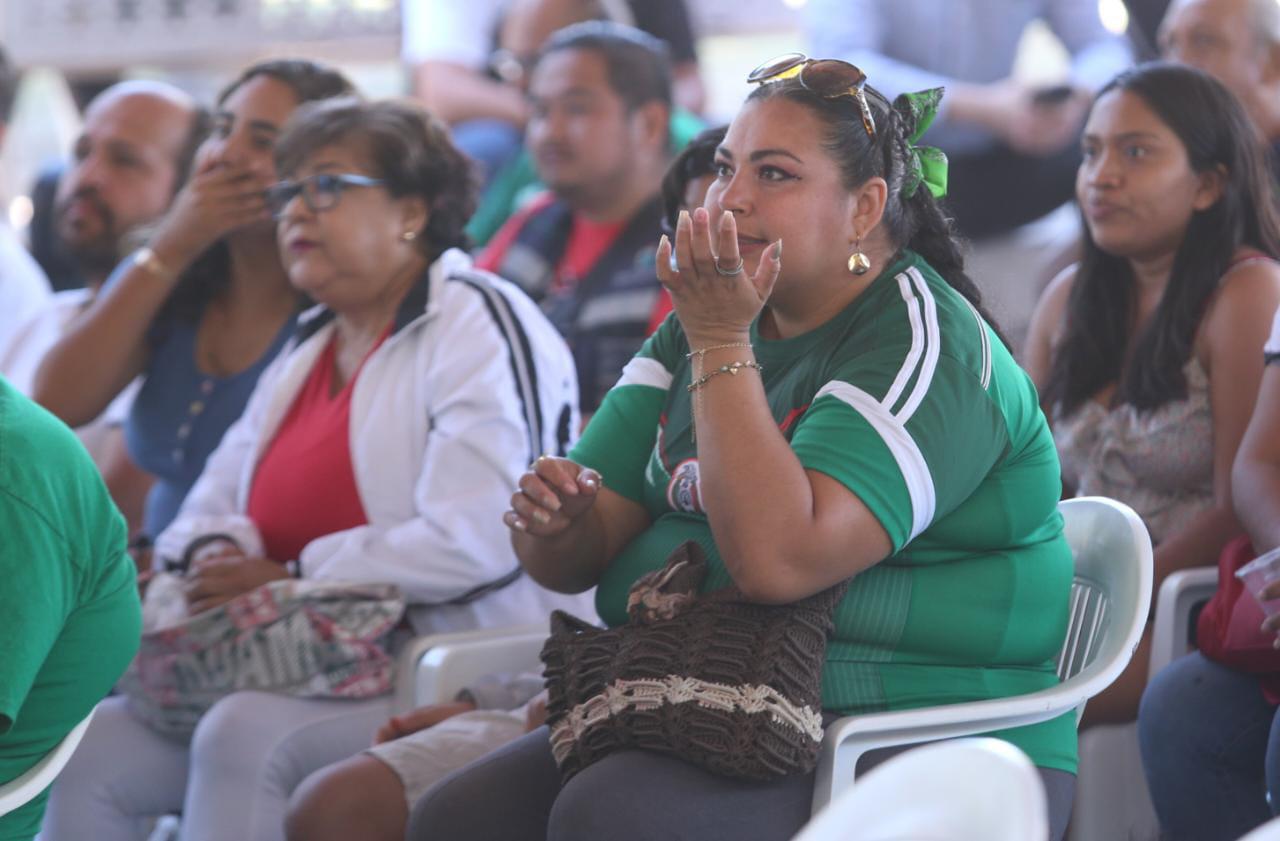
(1249, 289)
(1243, 307)
(1048, 318)
(1053, 301)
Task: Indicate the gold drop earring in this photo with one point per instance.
(859, 263)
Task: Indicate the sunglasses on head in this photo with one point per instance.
(827, 77)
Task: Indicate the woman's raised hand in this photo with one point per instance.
(220, 197)
(714, 297)
(553, 493)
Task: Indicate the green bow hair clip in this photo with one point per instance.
(925, 165)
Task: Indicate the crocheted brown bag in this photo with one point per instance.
(726, 684)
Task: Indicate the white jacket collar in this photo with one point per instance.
(422, 301)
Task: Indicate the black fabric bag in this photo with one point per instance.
(729, 685)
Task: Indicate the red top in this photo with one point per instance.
(305, 485)
(588, 241)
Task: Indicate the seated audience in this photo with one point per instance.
(601, 97)
(70, 607)
(1013, 145)
(882, 464)
(1146, 351)
(379, 446)
(133, 153)
(1209, 733)
(1238, 43)
(471, 61)
(200, 311)
(23, 285)
(369, 795)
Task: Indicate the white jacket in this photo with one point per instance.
(472, 384)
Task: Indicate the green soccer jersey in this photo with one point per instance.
(69, 615)
(910, 400)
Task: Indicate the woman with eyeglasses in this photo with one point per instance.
(380, 446)
(827, 403)
(1146, 352)
(204, 306)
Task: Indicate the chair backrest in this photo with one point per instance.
(1111, 591)
(36, 779)
(957, 790)
(1087, 622)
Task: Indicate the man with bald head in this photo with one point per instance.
(1238, 43)
(129, 161)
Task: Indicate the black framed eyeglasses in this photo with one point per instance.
(319, 192)
(827, 77)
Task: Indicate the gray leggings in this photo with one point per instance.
(514, 794)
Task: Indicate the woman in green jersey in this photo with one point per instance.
(827, 402)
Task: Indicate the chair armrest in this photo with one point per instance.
(432, 669)
(1179, 594)
(847, 739)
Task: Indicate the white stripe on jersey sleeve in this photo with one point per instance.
(915, 472)
(642, 370)
(917, 342)
(933, 344)
(986, 344)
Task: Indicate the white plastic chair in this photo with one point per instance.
(1112, 799)
(434, 668)
(959, 790)
(1109, 600)
(1180, 593)
(36, 779)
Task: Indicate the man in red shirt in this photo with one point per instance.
(600, 98)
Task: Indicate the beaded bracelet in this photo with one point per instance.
(731, 368)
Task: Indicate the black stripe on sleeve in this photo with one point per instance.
(519, 354)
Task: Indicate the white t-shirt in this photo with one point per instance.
(21, 353)
(1273, 341)
(458, 31)
(23, 286)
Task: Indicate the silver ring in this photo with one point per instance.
(729, 272)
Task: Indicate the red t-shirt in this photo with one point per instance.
(588, 241)
(305, 484)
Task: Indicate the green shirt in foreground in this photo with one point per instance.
(70, 621)
(912, 402)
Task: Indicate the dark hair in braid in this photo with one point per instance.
(916, 222)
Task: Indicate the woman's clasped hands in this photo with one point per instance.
(552, 493)
(223, 572)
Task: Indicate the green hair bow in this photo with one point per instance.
(925, 164)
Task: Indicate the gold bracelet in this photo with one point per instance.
(731, 368)
(146, 259)
(701, 352)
